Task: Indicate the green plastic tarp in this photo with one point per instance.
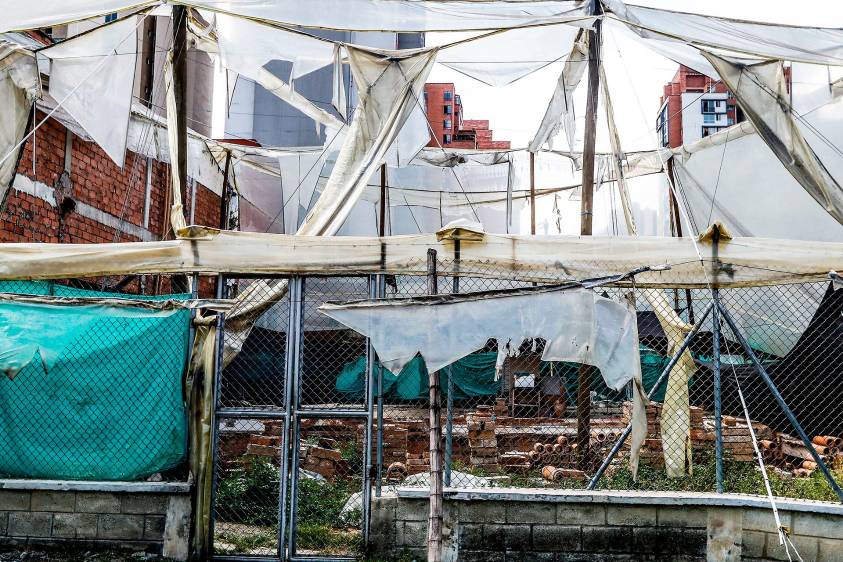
(97, 390)
(474, 375)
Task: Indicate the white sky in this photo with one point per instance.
(635, 74)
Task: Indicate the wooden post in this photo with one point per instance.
(587, 211)
(532, 193)
(179, 282)
(434, 521)
(382, 225)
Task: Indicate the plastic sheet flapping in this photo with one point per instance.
(19, 86)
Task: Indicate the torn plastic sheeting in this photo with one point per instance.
(761, 90)
(92, 76)
(19, 86)
(577, 324)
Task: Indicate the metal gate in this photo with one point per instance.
(292, 455)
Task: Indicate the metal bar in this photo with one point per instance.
(449, 431)
(290, 370)
(379, 475)
(663, 377)
(782, 404)
(370, 405)
(718, 403)
(242, 413)
(215, 445)
(309, 414)
(244, 558)
(532, 193)
(435, 516)
(295, 401)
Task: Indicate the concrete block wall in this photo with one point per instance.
(519, 525)
(155, 518)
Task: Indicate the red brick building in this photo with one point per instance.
(445, 113)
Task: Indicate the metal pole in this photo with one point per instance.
(379, 476)
(533, 192)
(782, 404)
(434, 524)
(449, 404)
(718, 405)
(662, 378)
(215, 427)
(382, 222)
(370, 406)
(290, 371)
(294, 419)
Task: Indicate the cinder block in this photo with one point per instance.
(556, 538)
(762, 520)
(606, 539)
(724, 535)
(411, 510)
(638, 515)
(688, 517)
(125, 527)
(808, 547)
(53, 501)
(14, 500)
(478, 556)
(530, 556)
(412, 533)
(817, 525)
(97, 502)
(657, 540)
(694, 542)
(153, 527)
(75, 525)
(524, 512)
(482, 512)
(830, 550)
(4, 521)
(506, 537)
(154, 504)
(580, 514)
(753, 543)
(471, 537)
(30, 524)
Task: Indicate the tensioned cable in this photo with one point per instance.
(720, 168)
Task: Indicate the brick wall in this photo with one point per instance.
(103, 194)
(152, 521)
(560, 526)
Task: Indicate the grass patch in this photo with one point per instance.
(328, 539)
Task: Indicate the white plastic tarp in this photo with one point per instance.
(761, 90)
(92, 76)
(19, 85)
(754, 39)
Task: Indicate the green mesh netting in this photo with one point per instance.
(97, 391)
(474, 375)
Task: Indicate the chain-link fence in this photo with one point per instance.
(92, 392)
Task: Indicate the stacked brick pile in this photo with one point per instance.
(264, 446)
(482, 442)
(737, 441)
(652, 452)
(325, 461)
(418, 447)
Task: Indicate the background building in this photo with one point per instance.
(694, 106)
(449, 128)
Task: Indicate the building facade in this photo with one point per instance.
(449, 128)
(694, 106)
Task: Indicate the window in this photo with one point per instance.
(110, 17)
(706, 131)
(448, 96)
(448, 109)
(709, 118)
(447, 124)
(730, 121)
(709, 106)
(446, 139)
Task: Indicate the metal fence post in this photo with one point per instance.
(379, 476)
(718, 403)
(297, 332)
(449, 404)
(290, 373)
(367, 451)
(218, 357)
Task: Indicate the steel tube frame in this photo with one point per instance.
(379, 473)
(780, 400)
(718, 402)
(215, 445)
(294, 417)
(367, 445)
(673, 360)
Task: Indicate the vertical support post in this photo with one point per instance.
(718, 403)
(294, 339)
(290, 371)
(369, 387)
(782, 404)
(382, 223)
(587, 206)
(435, 516)
(381, 294)
(218, 355)
(449, 404)
(532, 193)
(180, 91)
